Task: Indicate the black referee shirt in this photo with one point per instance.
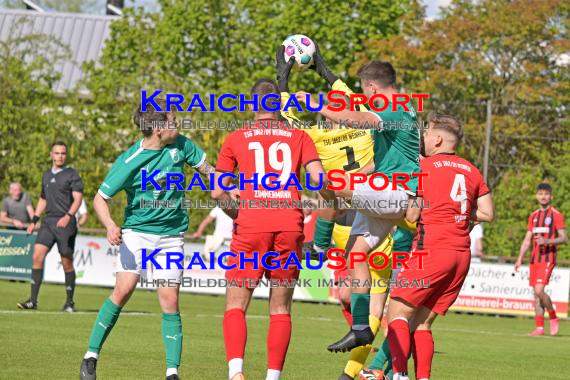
(57, 191)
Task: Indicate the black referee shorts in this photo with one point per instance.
(50, 233)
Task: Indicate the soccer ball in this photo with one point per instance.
(302, 48)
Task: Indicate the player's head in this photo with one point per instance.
(442, 136)
(544, 194)
(262, 87)
(167, 134)
(15, 190)
(376, 77)
(58, 153)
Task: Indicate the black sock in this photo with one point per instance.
(70, 285)
(37, 277)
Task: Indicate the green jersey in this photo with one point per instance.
(125, 174)
(397, 146)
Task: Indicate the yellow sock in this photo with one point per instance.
(359, 355)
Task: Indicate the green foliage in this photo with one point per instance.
(220, 47)
(509, 52)
(506, 51)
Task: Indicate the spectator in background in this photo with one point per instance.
(81, 215)
(222, 232)
(17, 210)
(476, 236)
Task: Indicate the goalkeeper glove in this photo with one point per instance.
(283, 69)
(321, 68)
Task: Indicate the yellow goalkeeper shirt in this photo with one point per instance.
(345, 149)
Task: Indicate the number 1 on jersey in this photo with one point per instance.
(352, 164)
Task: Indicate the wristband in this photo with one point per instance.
(35, 219)
(67, 213)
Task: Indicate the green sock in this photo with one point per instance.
(172, 338)
(108, 315)
(360, 308)
(382, 357)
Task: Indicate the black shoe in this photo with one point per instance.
(344, 376)
(354, 338)
(88, 370)
(69, 307)
(172, 377)
(27, 305)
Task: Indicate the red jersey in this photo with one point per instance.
(452, 189)
(545, 223)
(261, 150)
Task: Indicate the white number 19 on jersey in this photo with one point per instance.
(283, 166)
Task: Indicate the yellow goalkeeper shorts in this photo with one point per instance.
(380, 277)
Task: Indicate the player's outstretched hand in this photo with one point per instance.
(114, 235)
(321, 68)
(283, 69)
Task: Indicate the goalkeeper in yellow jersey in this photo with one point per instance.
(352, 151)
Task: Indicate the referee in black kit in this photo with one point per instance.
(62, 192)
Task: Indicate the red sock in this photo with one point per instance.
(399, 343)
(347, 315)
(278, 339)
(551, 314)
(539, 321)
(423, 353)
(235, 333)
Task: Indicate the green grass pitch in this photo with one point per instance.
(49, 344)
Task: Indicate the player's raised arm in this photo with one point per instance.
(283, 70)
(362, 119)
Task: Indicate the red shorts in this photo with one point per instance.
(445, 270)
(540, 273)
(282, 243)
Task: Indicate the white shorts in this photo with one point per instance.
(378, 211)
(130, 253)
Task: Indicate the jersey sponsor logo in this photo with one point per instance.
(174, 155)
(540, 230)
(460, 218)
(52, 180)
